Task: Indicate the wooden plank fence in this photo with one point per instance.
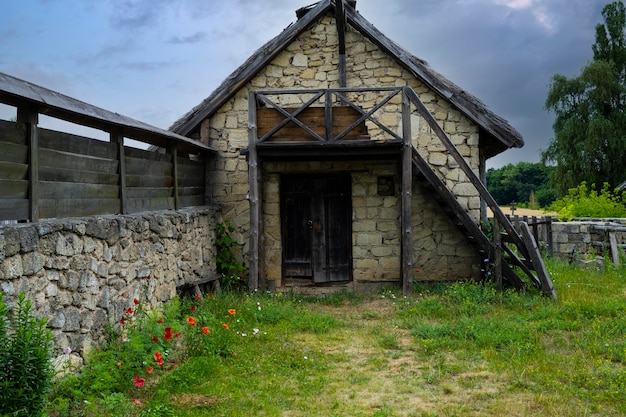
(65, 175)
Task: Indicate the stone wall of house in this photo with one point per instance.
(375, 219)
(311, 62)
(82, 273)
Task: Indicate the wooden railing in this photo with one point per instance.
(305, 124)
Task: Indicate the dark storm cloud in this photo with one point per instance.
(503, 52)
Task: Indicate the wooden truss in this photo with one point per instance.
(311, 130)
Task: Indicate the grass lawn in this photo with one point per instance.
(451, 350)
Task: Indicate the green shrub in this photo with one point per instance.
(232, 271)
(583, 201)
(25, 366)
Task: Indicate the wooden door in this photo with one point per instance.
(316, 219)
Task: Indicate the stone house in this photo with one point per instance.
(332, 162)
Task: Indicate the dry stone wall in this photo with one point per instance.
(82, 273)
(310, 62)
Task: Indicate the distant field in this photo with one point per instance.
(524, 212)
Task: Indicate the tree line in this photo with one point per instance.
(587, 154)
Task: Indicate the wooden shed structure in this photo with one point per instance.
(351, 163)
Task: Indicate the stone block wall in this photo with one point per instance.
(82, 273)
(571, 239)
(575, 238)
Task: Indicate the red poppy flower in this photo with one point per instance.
(198, 297)
(232, 311)
(167, 333)
(225, 326)
(150, 370)
(160, 320)
(160, 362)
(122, 321)
(129, 311)
(193, 308)
(205, 330)
(210, 295)
(157, 356)
(155, 339)
(139, 382)
(136, 301)
(191, 321)
(177, 335)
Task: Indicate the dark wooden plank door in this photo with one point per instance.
(316, 219)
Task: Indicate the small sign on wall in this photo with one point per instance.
(386, 186)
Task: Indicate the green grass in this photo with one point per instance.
(450, 350)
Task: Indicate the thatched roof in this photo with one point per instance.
(495, 126)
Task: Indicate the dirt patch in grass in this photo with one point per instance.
(195, 400)
(378, 366)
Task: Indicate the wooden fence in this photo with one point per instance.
(65, 175)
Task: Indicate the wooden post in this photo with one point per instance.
(407, 195)
(535, 227)
(118, 138)
(328, 115)
(31, 118)
(497, 255)
(340, 18)
(537, 262)
(614, 248)
(253, 194)
(174, 153)
(549, 235)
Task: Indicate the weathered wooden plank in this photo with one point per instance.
(497, 255)
(49, 208)
(54, 174)
(136, 205)
(315, 119)
(148, 181)
(406, 199)
(30, 118)
(614, 248)
(70, 190)
(538, 265)
(13, 189)
(72, 161)
(147, 154)
(154, 192)
(12, 171)
(135, 166)
(254, 196)
(12, 132)
(14, 209)
(67, 142)
(186, 170)
(13, 152)
(174, 151)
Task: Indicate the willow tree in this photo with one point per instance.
(589, 141)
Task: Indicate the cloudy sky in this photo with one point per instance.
(153, 60)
